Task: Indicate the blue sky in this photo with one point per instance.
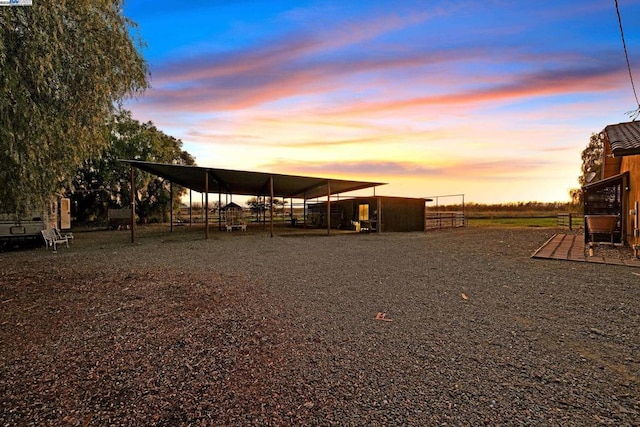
(493, 99)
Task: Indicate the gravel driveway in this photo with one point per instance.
(243, 329)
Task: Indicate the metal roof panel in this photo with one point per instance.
(250, 183)
(624, 138)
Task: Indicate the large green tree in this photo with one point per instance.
(592, 158)
(103, 181)
(64, 68)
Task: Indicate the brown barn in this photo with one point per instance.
(618, 192)
(374, 214)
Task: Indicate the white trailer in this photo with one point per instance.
(26, 230)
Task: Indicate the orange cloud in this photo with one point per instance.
(545, 83)
(498, 169)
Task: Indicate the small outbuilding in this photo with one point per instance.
(616, 195)
(233, 216)
(372, 214)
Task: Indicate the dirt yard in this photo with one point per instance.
(243, 329)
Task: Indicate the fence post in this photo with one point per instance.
(570, 221)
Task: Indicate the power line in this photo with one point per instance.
(635, 113)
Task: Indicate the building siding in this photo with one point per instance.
(397, 214)
(631, 164)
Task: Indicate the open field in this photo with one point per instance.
(532, 214)
(243, 329)
(521, 221)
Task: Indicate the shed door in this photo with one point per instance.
(65, 214)
(363, 212)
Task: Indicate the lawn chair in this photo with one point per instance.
(60, 235)
(52, 240)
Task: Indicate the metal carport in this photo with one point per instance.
(246, 183)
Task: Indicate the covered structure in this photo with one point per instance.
(372, 214)
(246, 183)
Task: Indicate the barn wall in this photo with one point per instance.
(317, 214)
(631, 164)
(402, 214)
(611, 165)
(397, 214)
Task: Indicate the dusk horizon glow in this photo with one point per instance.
(493, 99)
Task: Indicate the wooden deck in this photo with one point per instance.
(571, 247)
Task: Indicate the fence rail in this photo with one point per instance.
(567, 220)
(437, 220)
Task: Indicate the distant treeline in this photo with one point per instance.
(515, 209)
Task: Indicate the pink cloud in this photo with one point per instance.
(499, 169)
(282, 50)
(204, 87)
(228, 87)
(544, 83)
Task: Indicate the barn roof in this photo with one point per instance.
(230, 205)
(624, 138)
(249, 183)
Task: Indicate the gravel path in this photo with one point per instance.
(243, 329)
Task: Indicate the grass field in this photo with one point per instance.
(519, 221)
(531, 214)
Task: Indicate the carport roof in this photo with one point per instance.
(248, 183)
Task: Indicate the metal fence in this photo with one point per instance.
(567, 220)
(437, 220)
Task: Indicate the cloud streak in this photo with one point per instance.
(496, 169)
(287, 69)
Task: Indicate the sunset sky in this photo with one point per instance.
(493, 99)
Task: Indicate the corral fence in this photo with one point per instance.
(569, 220)
(437, 220)
(436, 217)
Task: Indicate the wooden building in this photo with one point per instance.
(617, 193)
(372, 214)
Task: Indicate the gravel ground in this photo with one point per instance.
(243, 329)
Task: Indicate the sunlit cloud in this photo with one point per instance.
(481, 169)
(546, 83)
(224, 89)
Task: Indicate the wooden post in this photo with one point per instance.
(379, 215)
(171, 206)
(464, 216)
(206, 205)
(133, 206)
(190, 207)
(219, 211)
(271, 204)
(328, 208)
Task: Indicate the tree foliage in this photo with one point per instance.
(64, 67)
(104, 181)
(592, 160)
(257, 205)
